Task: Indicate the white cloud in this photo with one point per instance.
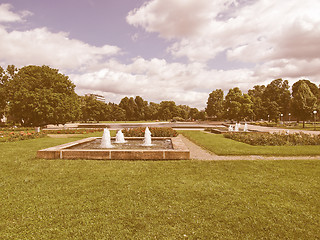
(256, 31)
(41, 47)
(157, 80)
(6, 15)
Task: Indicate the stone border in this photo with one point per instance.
(179, 152)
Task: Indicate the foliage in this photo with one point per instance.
(41, 95)
(256, 95)
(73, 131)
(238, 106)
(274, 139)
(215, 104)
(155, 132)
(10, 136)
(94, 110)
(5, 77)
(276, 98)
(304, 101)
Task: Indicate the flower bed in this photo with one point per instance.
(73, 131)
(155, 132)
(10, 136)
(275, 139)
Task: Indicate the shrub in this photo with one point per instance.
(74, 131)
(10, 136)
(274, 139)
(155, 132)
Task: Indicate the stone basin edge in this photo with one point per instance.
(179, 151)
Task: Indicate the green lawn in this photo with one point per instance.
(78, 199)
(220, 145)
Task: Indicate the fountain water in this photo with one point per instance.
(147, 138)
(236, 128)
(245, 129)
(120, 137)
(106, 139)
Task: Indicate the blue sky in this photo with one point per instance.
(177, 50)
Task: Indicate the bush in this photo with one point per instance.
(275, 139)
(155, 132)
(10, 136)
(73, 131)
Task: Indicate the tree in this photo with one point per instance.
(168, 110)
(118, 113)
(141, 108)
(233, 104)
(277, 95)
(93, 109)
(256, 95)
(130, 106)
(3, 100)
(304, 102)
(246, 111)
(41, 95)
(193, 114)
(313, 88)
(152, 111)
(5, 77)
(215, 104)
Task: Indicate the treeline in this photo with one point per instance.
(36, 96)
(135, 109)
(273, 102)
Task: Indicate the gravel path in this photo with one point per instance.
(199, 153)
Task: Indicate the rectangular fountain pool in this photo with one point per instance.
(162, 149)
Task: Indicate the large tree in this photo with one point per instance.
(256, 95)
(233, 104)
(215, 104)
(303, 102)
(41, 95)
(277, 98)
(93, 109)
(5, 77)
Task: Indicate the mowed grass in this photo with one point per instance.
(220, 145)
(77, 199)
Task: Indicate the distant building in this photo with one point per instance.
(97, 97)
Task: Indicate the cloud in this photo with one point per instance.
(6, 15)
(40, 46)
(157, 80)
(251, 31)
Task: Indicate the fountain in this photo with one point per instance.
(245, 129)
(147, 138)
(230, 128)
(162, 148)
(120, 137)
(106, 139)
(236, 128)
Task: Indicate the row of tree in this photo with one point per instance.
(271, 102)
(36, 96)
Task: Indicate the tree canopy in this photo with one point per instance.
(41, 95)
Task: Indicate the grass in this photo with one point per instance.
(78, 199)
(220, 145)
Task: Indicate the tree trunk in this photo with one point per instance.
(303, 124)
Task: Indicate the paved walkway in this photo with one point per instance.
(275, 129)
(199, 153)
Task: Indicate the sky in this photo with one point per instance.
(178, 50)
